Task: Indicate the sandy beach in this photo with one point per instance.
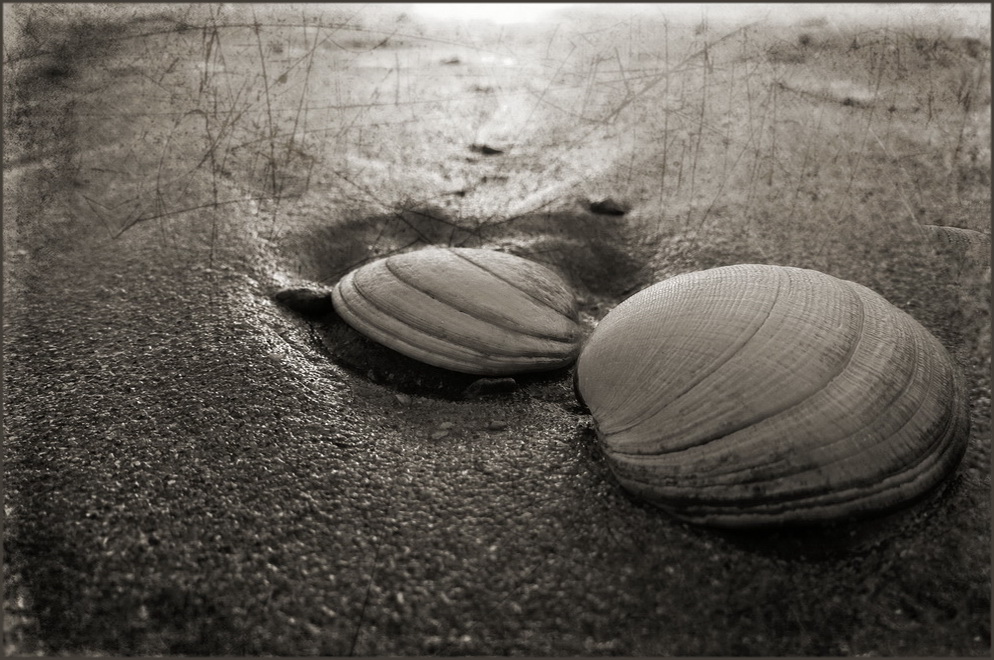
(190, 468)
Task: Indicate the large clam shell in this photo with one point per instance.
(756, 395)
(465, 309)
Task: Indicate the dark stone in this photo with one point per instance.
(306, 302)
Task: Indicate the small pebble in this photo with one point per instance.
(607, 206)
(485, 149)
(438, 435)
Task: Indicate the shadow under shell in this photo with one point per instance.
(371, 360)
(845, 538)
(810, 542)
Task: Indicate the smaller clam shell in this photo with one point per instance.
(758, 395)
(465, 309)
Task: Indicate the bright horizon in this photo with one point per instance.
(499, 12)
